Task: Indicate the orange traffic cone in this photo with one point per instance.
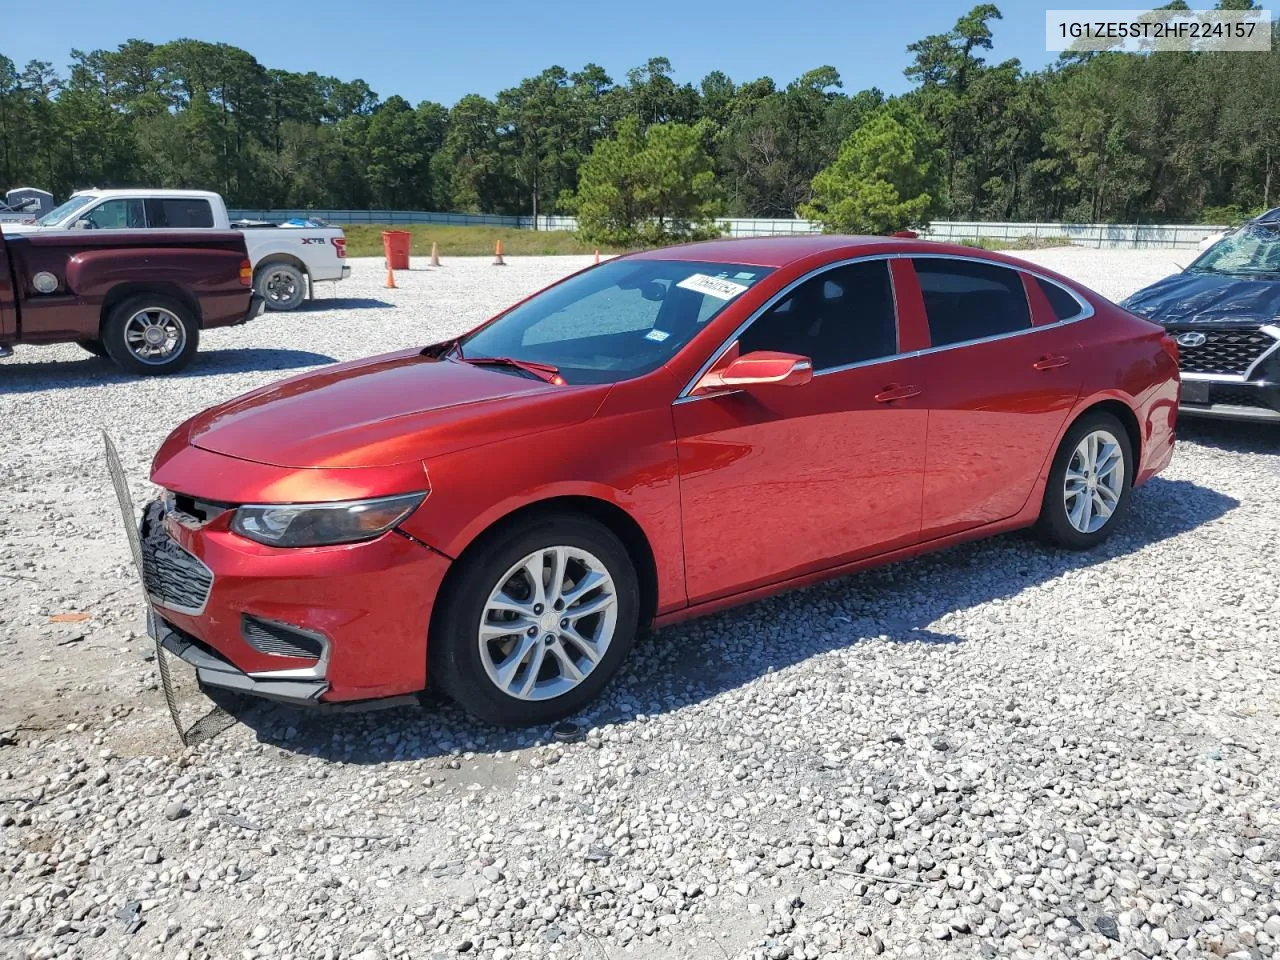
(435, 254)
(597, 256)
(391, 277)
(497, 256)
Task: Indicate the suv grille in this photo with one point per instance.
(174, 579)
(1224, 351)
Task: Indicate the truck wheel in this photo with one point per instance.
(151, 334)
(281, 285)
(92, 346)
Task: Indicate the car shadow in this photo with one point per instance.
(95, 371)
(697, 660)
(342, 303)
(1235, 436)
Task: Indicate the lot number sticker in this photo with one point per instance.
(717, 287)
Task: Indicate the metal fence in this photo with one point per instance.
(1134, 235)
(1117, 235)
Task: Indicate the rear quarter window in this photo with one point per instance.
(1065, 306)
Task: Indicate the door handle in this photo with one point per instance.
(894, 392)
(1050, 363)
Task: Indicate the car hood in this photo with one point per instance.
(1207, 298)
(386, 410)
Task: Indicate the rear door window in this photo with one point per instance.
(967, 300)
(180, 213)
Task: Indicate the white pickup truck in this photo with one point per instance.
(288, 259)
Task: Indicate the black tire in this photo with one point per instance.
(454, 659)
(92, 346)
(118, 348)
(1055, 524)
(281, 285)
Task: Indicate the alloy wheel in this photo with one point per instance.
(547, 623)
(155, 335)
(1094, 481)
(281, 287)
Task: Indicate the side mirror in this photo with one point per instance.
(760, 368)
(84, 223)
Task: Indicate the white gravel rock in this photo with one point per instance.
(995, 751)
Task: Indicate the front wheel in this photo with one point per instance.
(1089, 483)
(151, 334)
(281, 285)
(536, 622)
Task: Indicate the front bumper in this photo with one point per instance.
(1230, 371)
(368, 605)
(1225, 400)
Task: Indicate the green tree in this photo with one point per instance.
(647, 187)
(885, 178)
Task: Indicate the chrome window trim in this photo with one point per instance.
(1086, 312)
(1271, 330)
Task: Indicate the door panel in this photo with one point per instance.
(995, 409)
(778, 482)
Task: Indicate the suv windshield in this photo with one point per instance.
(64, 210)
(1253, 250)
(619, 320)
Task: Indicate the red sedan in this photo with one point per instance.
(656, 437)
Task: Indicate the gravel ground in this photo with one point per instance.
(993, 751)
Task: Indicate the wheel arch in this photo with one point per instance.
(270, 259)
(125, 291)
(609, 515)
(1128, 419)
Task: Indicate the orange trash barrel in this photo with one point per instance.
(395, 245)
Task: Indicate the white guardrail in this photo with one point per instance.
(1132, 235)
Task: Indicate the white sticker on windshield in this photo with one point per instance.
(657, 336)
(743, 276)
(712, 286)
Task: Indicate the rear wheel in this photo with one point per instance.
(151, 334)
(536, 622)
(281, 285)
(1089, 483)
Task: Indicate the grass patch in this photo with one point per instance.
(1021, 243)
(365, 240)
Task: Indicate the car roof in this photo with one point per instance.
(782, 251)
(142, 192)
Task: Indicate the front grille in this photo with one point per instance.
(278, 640)
(200, 511)
(1224, 351)
(174, 578)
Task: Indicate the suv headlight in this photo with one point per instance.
(322, 524)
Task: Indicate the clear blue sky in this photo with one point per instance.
(441, 51)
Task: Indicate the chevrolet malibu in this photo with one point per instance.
(663, 435)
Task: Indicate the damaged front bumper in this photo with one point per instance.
(214, 671)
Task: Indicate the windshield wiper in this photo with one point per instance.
(543, 371)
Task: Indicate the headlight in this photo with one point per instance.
(320, 524)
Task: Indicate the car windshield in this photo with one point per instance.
(64, 210)
(619, 320)
(1253, 250)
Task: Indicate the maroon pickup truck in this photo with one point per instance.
(139, 297)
